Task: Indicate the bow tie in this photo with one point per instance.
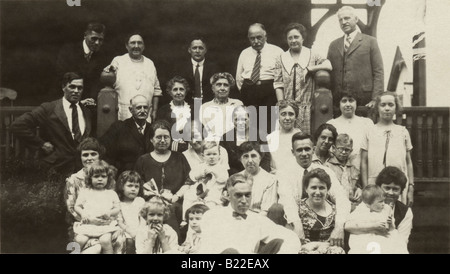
(237, 215)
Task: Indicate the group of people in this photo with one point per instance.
(208, 173)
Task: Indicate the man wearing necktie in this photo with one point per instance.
(62, 123)
(303, 149)
(197, 71)
(234, 227)
(255, 73)
(125, 141)
(357, 62)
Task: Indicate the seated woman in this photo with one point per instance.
(279, 141)
(244, 130)
(177, 113)
(164, 171)
(317, 214)
(216, 115)
(90, 151)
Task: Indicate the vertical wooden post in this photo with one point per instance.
(429, 146)
(440, 148)
(419, 146)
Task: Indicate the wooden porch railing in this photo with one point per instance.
(428, 127)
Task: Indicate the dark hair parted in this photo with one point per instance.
(323, 127)
(298, 27)
(129, 176)
(288, 103)
(249, 146)
(318, 173)
(101, 167)
(299, 136)
(195, 209)
(162, 124)
(391, 174)
(91, 143)
(95, 26)
(69, 77)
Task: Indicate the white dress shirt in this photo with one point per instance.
(68, 111)
(269, 55)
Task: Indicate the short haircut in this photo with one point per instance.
(298, 27)
(249, 146)
(162, 124)
(222, 75)
(196, 36)
(132, 33)
(288, 103)
(238, 178)
(398, 106)
(318, 173)
(155, 201)
(347, 93)
(343, 139)
(370, 193)
(129, 176)
(299, 136)
(69, 77)
(321, 128)
(391, 174)
(96, 27)
(90, 143)
(177, 79)
(210, 144)
(101, 167)
(195, 209)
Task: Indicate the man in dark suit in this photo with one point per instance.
(126, 140)
(200, 85)
(62, 123)
(357, 62)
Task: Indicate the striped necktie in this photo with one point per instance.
(347, 43)
(256, 68)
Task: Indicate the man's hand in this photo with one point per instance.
(337, 237)
(110, 68)
(357, 195)
(47, 147)
(371, 104)
(88, 102)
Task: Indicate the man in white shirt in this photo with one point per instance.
(135, 74)
(255, 72)
(236, 228)
(291, 179)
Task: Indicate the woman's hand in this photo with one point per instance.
(357, 195)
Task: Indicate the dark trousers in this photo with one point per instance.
(261, 94)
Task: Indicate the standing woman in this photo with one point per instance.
(177, 112)
(295, 69)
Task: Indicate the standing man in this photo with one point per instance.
(357, 62)
(255, 72)
(198, 71)
(135, 74)
(292, 178)
(235, 229)
(86, 59)
(126, 140)
(63, 124)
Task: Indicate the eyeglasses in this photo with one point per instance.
(344, 149)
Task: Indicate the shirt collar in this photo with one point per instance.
(85, 47)
(333, 160)
(352, 34)
(194, 63)
(138, 126)
(66, 103)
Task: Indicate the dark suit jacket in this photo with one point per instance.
(71, 59)
(124, 144)
(186, 71)
(54, 128)
(360, 70)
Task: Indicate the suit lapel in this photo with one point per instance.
(340, 46)
(59, 111)
(355, 43)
